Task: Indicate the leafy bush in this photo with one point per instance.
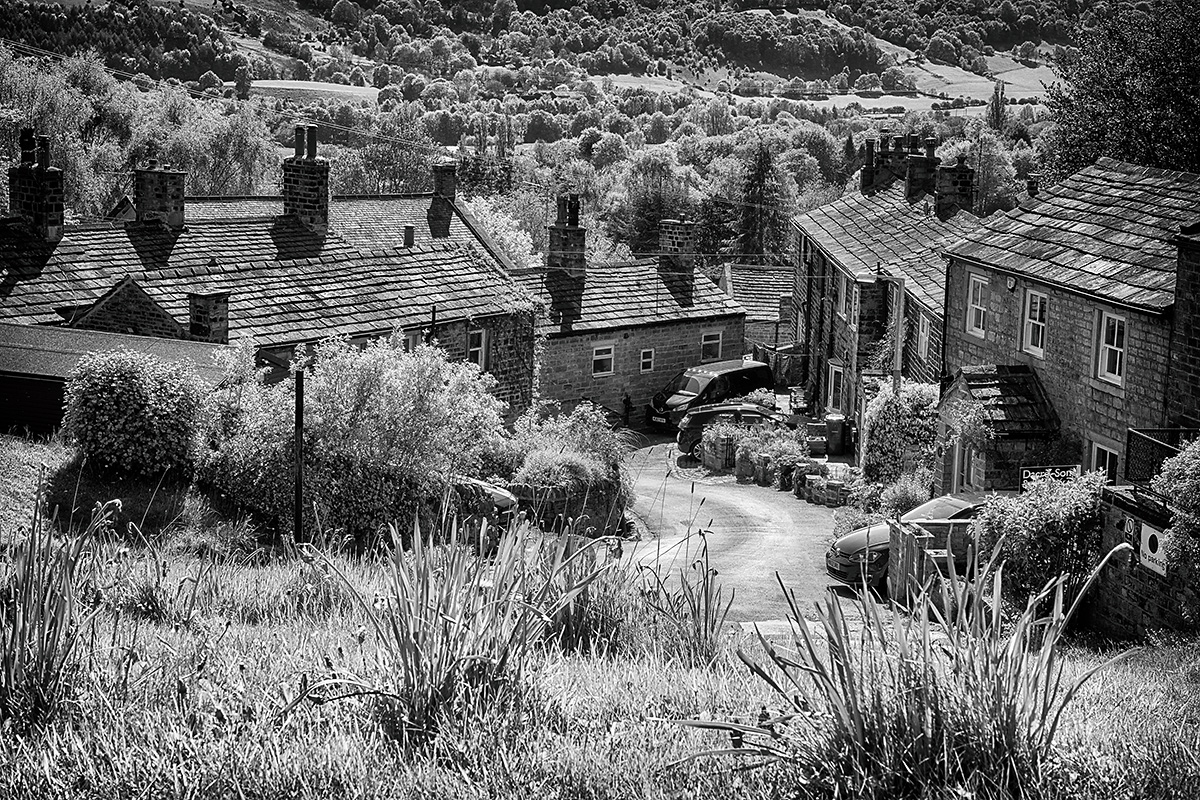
(762, 397)
(1051, 529)
(384, 429)
(850, 518)
(566, 468)
(899, 431)
(908, 492)
(133, 412)
(585, 430)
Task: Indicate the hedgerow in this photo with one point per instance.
(899, 431)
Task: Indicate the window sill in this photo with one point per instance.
(1039, 356)
(1116, 390)
(977, 334)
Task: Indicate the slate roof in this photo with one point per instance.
(622, 296)
(1013, 398)
(864, 231)
(1106, 231)
(286, 285)
(925, 273)
(53, 352)
(365, 221)
(759, 288)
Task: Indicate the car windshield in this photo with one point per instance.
(684, 384)
(938, 508)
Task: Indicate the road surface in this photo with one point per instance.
(752, 532)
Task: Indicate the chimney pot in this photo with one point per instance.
(867, 173)
(43, 151)
(312, 142)
(930, 147)
(1031, 184)
(28, 147)
(300, 140)
(410, 233)
(573, 210)
(561, 202)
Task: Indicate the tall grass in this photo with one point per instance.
(40, 621)
(454, 631)
(693, 603)
(953, 696)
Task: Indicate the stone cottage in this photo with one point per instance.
(906, 207)
(615, 334)
(279, 272)
(1076, 290)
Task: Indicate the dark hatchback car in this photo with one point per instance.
(691, 427)
(864, 552)
(704, 385)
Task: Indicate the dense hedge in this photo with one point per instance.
(134, 413)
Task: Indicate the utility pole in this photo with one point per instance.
(298, 509)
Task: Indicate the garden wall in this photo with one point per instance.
(600, 509)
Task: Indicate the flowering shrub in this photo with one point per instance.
(384, 430)
(899, 431)
(575, 471)
(908, 492)
(761, 397)
(1053, 528)
(133, 412)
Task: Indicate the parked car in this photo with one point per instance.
(706, 384)
(691, 427)
(864, 552)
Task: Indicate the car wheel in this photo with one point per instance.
(697, 451)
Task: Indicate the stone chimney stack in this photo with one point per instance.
(955, 188)
(1032, 184)
(35, 189)
(306, 183)
(866, 175)
(921, 176)
(893, 160)
(1183, 371)
(208, 316)
(158, 195)
(441, 209)
(677, 246)
(568, 241)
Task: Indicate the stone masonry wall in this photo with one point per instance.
(928, 369)
(566, 361)
(1087, 407)
(37, 195)
(1130, 599)
(1183, 383)
(129, 311)
(306, 192)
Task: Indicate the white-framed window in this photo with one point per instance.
(710, 346)
(602, 360)
(412, 339)
(647, 360)
(1104, 459)
(923, 337)
(852, 312)
(843, 284)
(1111, 366)
(977, 292)
(1033, 337)
(835, 388)
(477, 348)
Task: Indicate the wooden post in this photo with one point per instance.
(298, 509)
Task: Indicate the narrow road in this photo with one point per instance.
(752, 532)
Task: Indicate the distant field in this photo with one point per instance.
(311, 90)
(1022, 81)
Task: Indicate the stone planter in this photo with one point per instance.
(726, 452)
(744, 469)
(799, 482)
(762, 470)
(833, 494)
(785, 478)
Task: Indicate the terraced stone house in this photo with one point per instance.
(1088, 292)
(906, 208)
(280, 272)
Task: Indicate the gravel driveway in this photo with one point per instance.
(754, 531)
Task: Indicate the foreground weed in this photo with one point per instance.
(456, 632)
(950, 696)
(39, 620)
(694, 605)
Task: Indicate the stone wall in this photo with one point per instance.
(130, 310)
(599, 511)
(566, 361)
(158, 195)
(1129, 598)
(1089, 408)
(37, 195)
(928, 369)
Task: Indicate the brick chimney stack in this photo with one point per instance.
(441, 209)
(921, 175)
(568, 241)
(208, 316)
(955, 188)
(306, 183)
(866, 176)
(35, 189)
(677, 246)
(894, 159)
(158, 195)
